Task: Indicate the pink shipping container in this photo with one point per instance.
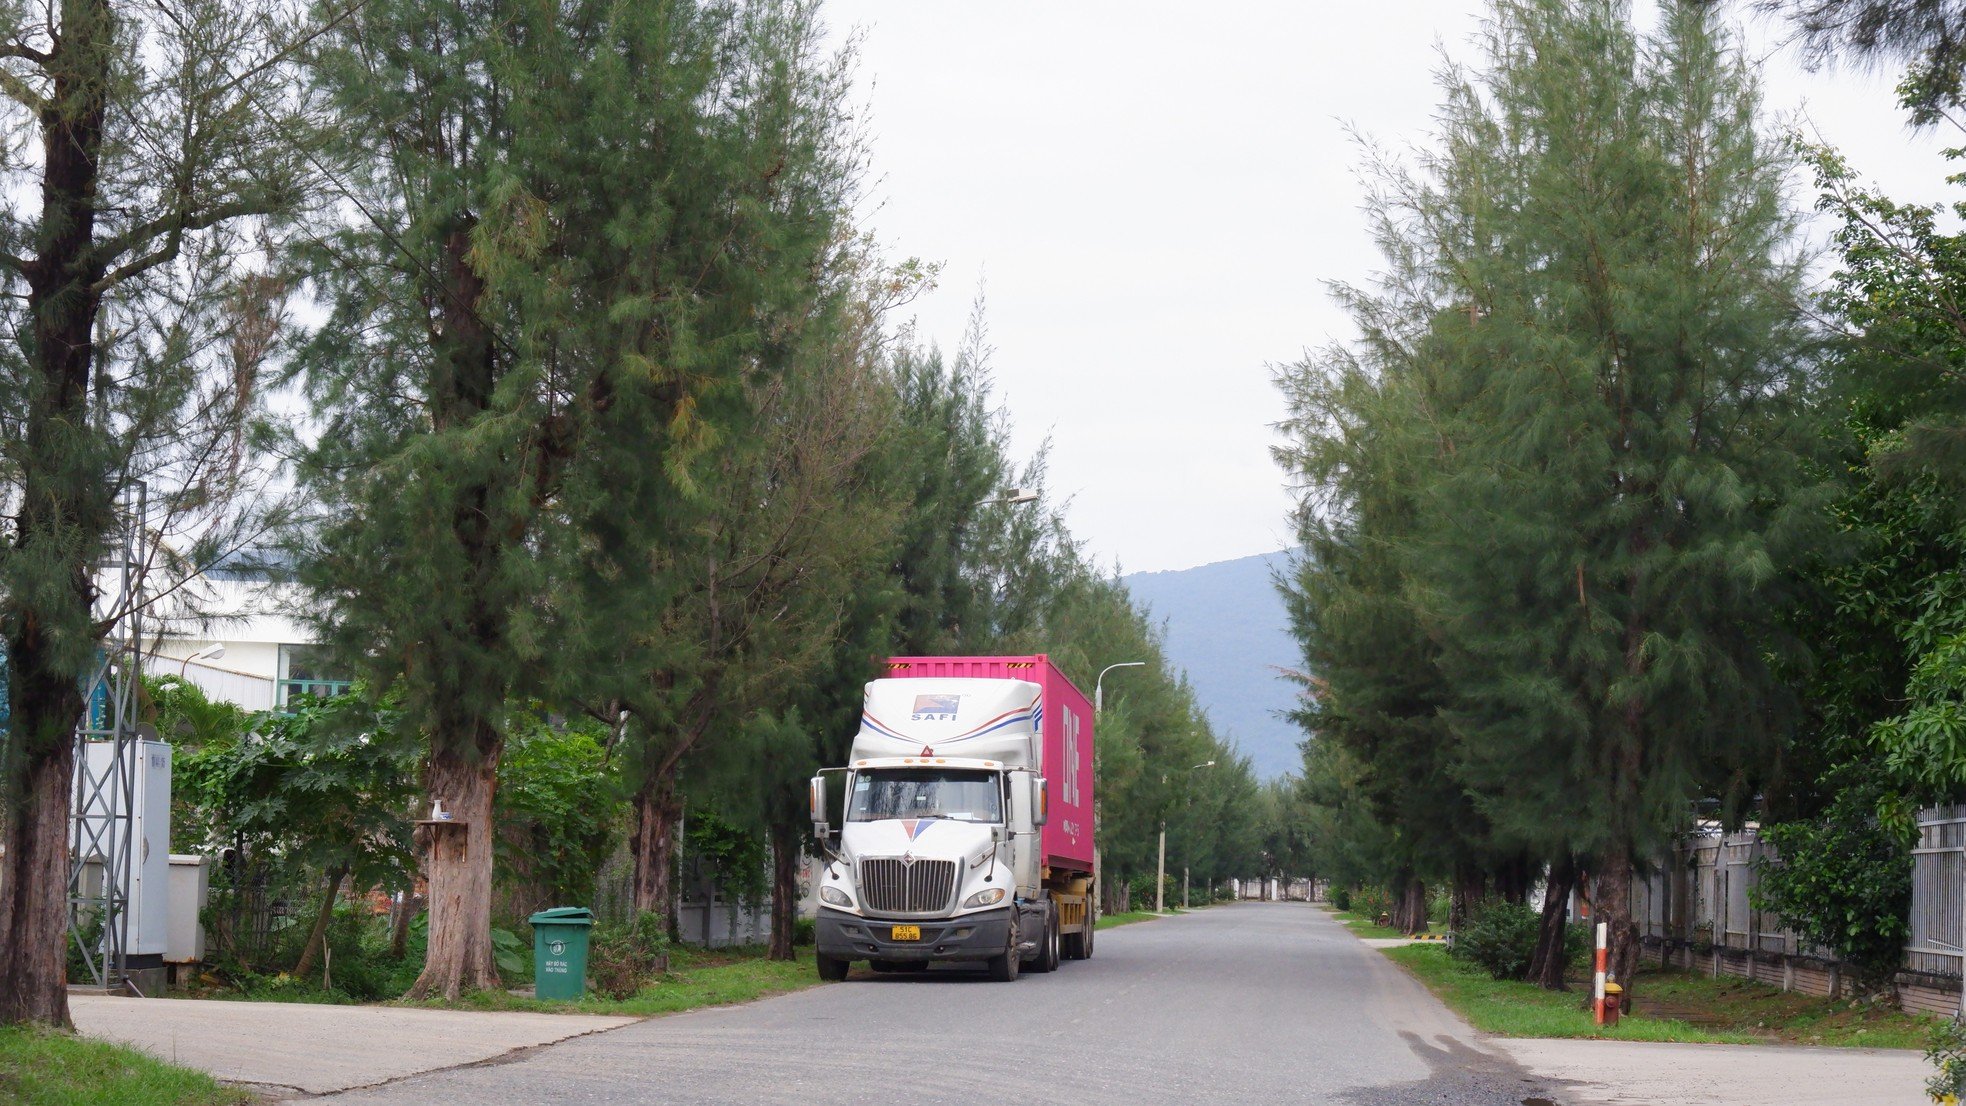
(1065, 727)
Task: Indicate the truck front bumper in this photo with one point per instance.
(968, 937)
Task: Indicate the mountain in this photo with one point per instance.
(1226, 628)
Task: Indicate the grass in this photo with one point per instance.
(1366, 927)
(696, 978)
(1670, 1006)
(1746, 1006)
(1108, 921)
(46, 1068)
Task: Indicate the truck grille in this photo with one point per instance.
(894, 886)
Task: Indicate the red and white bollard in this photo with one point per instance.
(1597, 984)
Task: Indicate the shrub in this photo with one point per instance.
(1341, 898)
(621, 960)
(1843, 880)
(1440, 907)
(805, 932)
(1372, 902)
(1499, 936)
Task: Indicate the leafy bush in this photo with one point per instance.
(805, 931)
(1372, 902)
(1843, 880)
(1499, 936)
(1440, 906)
(1341, 898)
(621, 960)
(1947, 1051)
(512, 956)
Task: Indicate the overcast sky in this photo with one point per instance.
(1152, 197)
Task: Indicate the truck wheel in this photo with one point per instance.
(1052, 951)
(831, 968)
(1003, 966)
(1039, 962)
(1080, 945)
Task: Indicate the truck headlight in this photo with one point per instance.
(833, 896)
(989, 896)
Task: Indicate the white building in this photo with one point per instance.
(238, 632)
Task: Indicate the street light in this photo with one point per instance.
(1099, 703)
(1160, 864)
(1018, 495)
(208, 653)
(1099, 685)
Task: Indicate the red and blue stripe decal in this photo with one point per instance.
(1031, 714)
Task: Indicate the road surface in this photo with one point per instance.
(1247, 1002)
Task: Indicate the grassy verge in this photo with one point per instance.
(1671, 1006)
(1365, 927)
(1108, 921)
(696, 977)
(40, 1068)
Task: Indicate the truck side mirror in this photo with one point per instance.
(821, 825)
(1040, 800)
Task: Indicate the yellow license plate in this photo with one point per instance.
(906, 933)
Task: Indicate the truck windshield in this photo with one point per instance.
(926, 793)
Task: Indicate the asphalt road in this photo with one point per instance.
(1248, 1002)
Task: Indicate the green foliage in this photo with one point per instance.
(722, 853)
(558, 806)
(1843, 880)
(1500, 937)
(46, 1068)
(1553, 496)
(1946, 1050)
(512, 955)
(327, 786)
(622, 960)
(1341, 898)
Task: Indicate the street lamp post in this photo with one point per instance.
(208, 653)
(1099, 685)
(1160, 864)
(1098, 704)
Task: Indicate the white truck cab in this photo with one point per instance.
(939, 853)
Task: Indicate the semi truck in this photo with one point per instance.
(967, 833)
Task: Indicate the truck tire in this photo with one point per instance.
(1004, 965)
(1047, 958)
(1078, 946)
(831, 969)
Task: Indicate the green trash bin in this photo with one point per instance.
(559, 951)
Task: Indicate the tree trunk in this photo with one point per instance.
(401, 914)
(1410, 911)
(1470, 887)
(458, 863)
(33, 890)
(1546, 964)
(1614, 907)
(66, 505)
(321, 920)
(784, 890)
(653, 846)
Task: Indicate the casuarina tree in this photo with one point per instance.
(1625, 492)
(574, 226)
(1591, 323)
(148, 141)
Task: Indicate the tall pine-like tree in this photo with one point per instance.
(1594, 317)
(580, 225)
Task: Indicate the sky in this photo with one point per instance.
(1151, 198)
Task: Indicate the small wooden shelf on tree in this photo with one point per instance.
(442, 822)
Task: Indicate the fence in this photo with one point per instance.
(1695, 910)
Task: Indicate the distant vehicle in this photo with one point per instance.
(968, 822)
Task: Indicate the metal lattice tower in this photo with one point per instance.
(103, 801)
